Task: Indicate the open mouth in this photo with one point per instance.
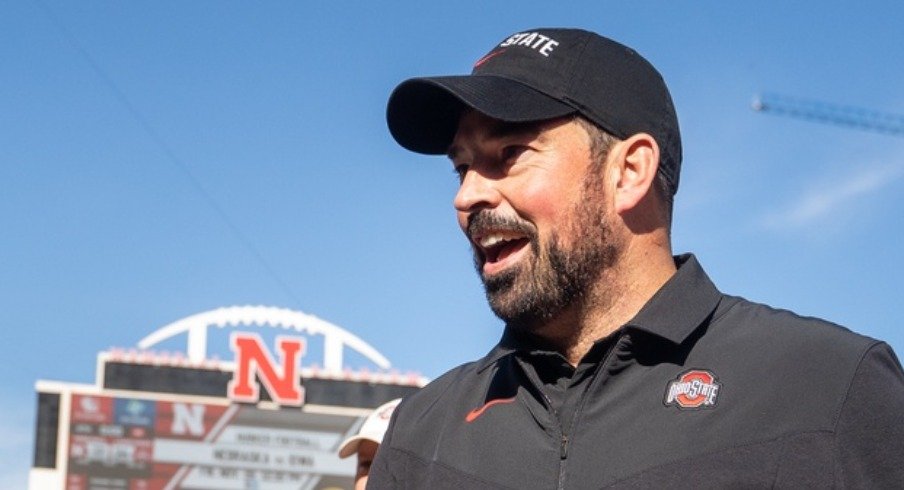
(496, 246)
(499, 241)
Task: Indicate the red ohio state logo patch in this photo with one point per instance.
(696, 388)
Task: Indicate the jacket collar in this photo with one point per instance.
(681, 305)
(674, 312)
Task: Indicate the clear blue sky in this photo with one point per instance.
(161, 159)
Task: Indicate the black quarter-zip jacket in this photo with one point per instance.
(699, 390)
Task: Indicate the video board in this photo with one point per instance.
(268, 418)
(144, 444)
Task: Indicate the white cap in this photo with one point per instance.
(372, 429)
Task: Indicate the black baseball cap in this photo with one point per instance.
(542, 74)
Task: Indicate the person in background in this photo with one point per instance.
(366, 442)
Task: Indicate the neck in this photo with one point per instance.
(618, 296)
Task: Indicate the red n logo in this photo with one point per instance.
(251, 357)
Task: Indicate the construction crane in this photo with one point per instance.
(839, 115)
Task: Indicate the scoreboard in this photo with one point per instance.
(155, 422)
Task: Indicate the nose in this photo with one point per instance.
(476, 192)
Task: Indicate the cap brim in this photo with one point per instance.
(350, 445)
(423, 113)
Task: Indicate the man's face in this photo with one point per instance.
(532, 202)
(366, 452)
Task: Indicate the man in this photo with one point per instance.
(366, 442)
(620, 365)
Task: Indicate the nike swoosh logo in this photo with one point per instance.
(477, 412)
(487, 57)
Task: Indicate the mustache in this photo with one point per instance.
(484, 220)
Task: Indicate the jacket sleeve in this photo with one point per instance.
(870, 429)
(382, 470)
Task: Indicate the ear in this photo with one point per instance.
(635, 167)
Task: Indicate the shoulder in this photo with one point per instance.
(799, 368)
(765, 329)
(441, 392)
(419, 422)
(442, 405)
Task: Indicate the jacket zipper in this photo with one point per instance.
(563, 449)
(563, 443)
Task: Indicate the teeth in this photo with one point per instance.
(494, 238)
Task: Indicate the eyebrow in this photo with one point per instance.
(452, 152)
(502, 129)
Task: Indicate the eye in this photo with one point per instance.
(512, 152)
(460, 171)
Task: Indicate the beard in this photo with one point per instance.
(559, 273)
